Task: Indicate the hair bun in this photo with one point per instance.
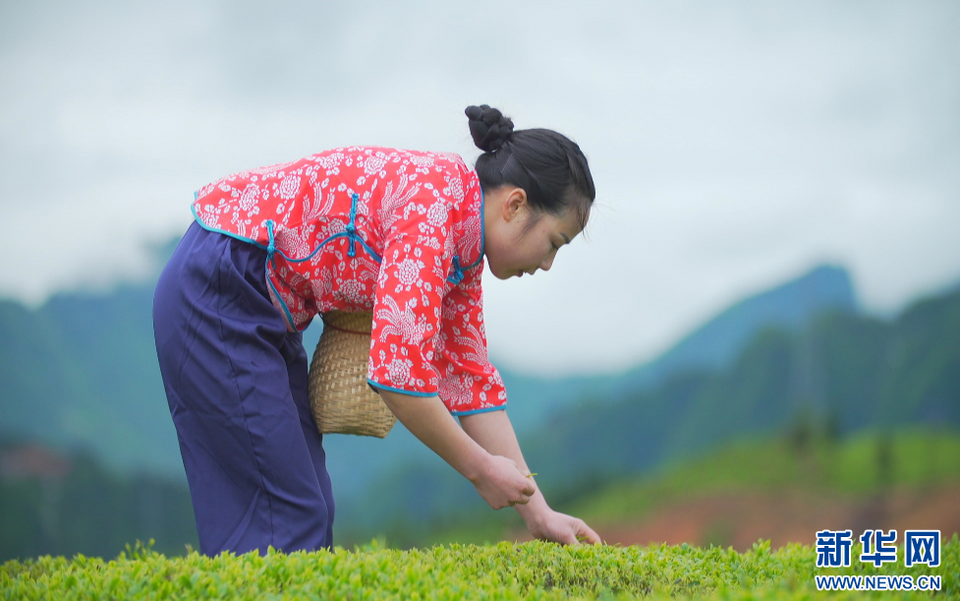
(489, 127)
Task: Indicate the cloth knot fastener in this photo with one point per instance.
(351, 226)
(271, 245)
(457, 276)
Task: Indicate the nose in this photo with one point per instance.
(547, 263)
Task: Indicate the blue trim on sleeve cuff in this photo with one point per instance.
(475, 411)
(398, 390)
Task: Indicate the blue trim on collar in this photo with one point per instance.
(458, 271)
(483, 233)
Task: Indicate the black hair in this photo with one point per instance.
(549, 167)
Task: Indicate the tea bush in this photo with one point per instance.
(534, 570)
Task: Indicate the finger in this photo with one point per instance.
(587, 535)
(529, 489)
(567, 537)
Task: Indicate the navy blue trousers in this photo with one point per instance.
(236, 383)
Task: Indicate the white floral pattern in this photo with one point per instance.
(415, 212)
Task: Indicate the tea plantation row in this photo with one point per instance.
(532, 570)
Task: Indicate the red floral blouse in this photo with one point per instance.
(397, 232)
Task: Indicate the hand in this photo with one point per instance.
(502, 484)
(562, 528)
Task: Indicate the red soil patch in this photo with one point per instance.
(739, 520)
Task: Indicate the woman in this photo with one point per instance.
(401, 233)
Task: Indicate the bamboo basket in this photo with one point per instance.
(341, 400)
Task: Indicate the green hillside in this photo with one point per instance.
(865, 464)
(82, 372)
(90, 510)
(716, 344)
(843, 372)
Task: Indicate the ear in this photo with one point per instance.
(514, 203)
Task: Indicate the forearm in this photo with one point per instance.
(428, 419)
(494, 432)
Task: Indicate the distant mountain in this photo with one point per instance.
(714, 345)
(842, 372)
(718, 343)
(81, 371)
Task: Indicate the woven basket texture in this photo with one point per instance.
(341, 400)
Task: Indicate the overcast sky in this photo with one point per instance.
(734, 145)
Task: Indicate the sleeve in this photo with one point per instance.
(427, 335)
(409, 295)
(469, 382)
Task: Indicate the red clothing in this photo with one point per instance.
(397, 232)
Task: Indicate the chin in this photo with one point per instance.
(499, 274)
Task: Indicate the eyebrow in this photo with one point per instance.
(565, 237)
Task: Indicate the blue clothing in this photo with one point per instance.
(236, 383)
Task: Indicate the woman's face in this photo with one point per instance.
(515, 247)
